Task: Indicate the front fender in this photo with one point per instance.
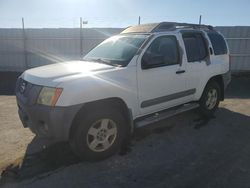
(120, 83)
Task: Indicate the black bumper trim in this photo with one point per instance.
(226, 79)
(46, 121)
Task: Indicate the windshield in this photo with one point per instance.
(117, 50)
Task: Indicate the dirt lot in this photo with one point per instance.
(184, 151)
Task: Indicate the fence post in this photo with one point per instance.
(25, 46)
(200, 19)
(81, 47)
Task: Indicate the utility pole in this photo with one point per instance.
(81, 35)
(139, 20)
(25, 46)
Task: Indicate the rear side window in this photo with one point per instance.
(218, 43)
(195, 46)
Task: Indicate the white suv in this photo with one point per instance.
(143, 75)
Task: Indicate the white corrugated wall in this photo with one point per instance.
(238, 39)
(45, 46)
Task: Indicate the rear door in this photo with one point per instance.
(197, 59)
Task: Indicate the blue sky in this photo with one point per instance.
(121, 13)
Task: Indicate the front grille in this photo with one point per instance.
(27, 92)
(23, 87)
(18, 82)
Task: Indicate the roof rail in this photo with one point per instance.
(163, 26)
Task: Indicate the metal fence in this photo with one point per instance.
(21, 49)
(238, 39)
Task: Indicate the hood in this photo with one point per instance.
(52, 75)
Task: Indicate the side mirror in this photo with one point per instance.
(151, 60)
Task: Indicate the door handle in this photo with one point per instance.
(180, 71)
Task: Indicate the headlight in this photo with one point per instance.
(49, 96)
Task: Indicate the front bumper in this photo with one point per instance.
(44, 121)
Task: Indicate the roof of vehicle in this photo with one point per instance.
(164, 26)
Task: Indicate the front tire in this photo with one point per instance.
(98, 135)
(210, 99)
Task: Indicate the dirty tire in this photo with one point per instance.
(208, 102)
(80, 140)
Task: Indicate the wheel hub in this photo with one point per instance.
(211, 99)
(101, 135)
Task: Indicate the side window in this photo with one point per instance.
(195, 46)
(163, 51)
(218, 43)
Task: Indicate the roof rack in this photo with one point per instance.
(164, 26)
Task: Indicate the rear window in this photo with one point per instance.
(218, 43)
(195, 47)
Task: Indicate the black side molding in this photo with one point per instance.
(180, 71)
(166, 98)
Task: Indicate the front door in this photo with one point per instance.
(161, 76)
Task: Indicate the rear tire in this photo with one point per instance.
(210, 99)
(98, 135)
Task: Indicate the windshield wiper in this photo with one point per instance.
(103, 61)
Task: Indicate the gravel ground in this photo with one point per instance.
(183, 151)
(13, 137)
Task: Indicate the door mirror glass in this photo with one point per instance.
(163, 51)
(152, 60)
